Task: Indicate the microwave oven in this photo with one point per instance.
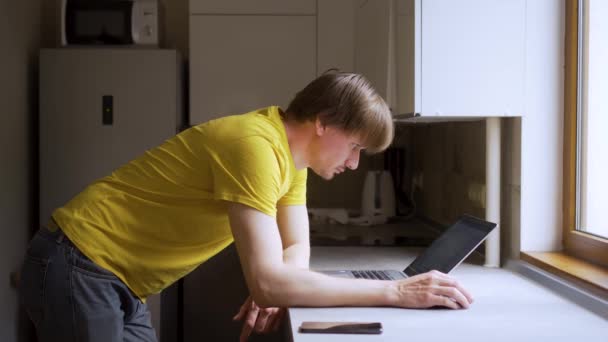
(110, 22)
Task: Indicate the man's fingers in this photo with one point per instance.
(450, 282)
(433, 288)
(239, 315)
(445, 280)
(445, 301)
(243, 310)
(453, 294)
(257, 319)
(249, 324)
(274, 319)
(245, 333)
(278, 318)
(260, 323)
(252, 316)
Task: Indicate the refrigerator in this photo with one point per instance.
(100, 107)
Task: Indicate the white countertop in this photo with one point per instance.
(507, 307)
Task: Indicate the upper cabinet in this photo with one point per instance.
(428, 58)
(374, 43)
(336, 35)
(241, 63)
(246, 55)
(444, 58)
(253, 7)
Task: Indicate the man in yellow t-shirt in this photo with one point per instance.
(240, 178)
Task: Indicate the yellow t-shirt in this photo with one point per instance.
(158, 217)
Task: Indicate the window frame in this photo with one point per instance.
(578, 244)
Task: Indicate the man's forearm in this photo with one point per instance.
(297, 255)
(276, 276)
(286, 286)
(304, 288)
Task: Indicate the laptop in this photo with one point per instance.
(444, 254)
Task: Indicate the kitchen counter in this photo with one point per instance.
(507, 307)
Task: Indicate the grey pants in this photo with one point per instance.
(70, 298)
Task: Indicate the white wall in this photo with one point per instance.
(20, 40)
(542, 127)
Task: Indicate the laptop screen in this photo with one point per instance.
(452, 247)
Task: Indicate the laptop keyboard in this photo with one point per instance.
(379, 275)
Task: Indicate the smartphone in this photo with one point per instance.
(341, 327)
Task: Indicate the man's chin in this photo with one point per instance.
(325, 175)
(329, 176)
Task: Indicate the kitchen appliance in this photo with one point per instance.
(100, 108)
(110, 22)
(378, 197)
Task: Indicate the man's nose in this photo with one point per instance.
(353, 161)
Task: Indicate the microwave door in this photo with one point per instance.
(93, 22)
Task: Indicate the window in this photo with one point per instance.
(586, 131)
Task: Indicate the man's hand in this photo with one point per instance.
(260, 320)
(431, 289)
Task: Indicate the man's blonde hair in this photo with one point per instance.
(348, 102)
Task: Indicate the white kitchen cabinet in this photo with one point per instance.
(372, 42)
(253, 7)
(336, 38)
(448, 58)
(240, 63)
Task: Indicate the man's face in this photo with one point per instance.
(333, 151)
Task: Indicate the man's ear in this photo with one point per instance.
(320, 127)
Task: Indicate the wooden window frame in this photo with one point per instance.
(578, 244)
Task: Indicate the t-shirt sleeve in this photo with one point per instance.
(247, 171)
(296, 195)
